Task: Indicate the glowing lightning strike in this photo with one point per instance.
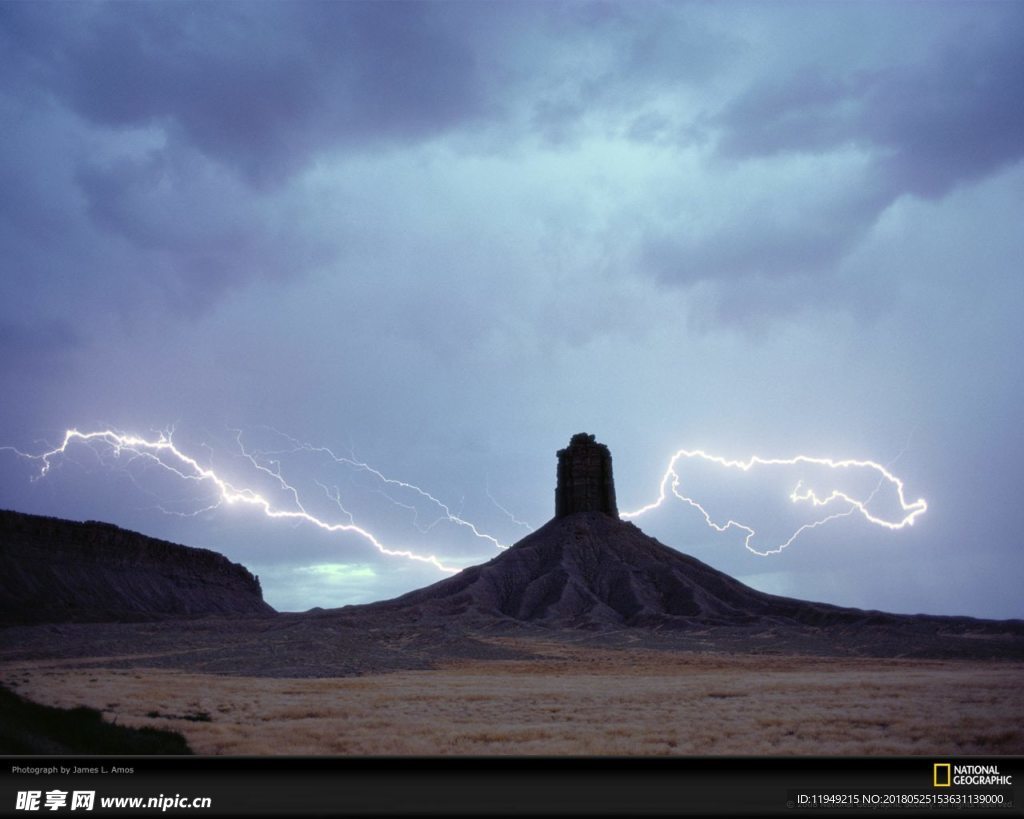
(504, 511)
(163, 452)
(670, 481)
(447, 513)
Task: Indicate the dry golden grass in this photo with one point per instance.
(571, 701)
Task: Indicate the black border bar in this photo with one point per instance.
(513, 786)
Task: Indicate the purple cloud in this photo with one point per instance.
(261, 87)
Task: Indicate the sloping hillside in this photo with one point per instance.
(54, 570)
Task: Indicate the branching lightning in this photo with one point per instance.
(506, 512)
(162, 452)
(446, 512)
(671, 483)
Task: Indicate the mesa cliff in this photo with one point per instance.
(54, 570)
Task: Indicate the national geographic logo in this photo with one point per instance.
(946, 774)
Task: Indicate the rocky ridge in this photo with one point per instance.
(54, 570)
(594, 572)
(588, 570)
(585, 576)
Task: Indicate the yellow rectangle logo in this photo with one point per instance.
(942, 775)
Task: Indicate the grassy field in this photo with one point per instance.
(570, 701)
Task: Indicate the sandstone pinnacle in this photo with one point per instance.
(585, 482)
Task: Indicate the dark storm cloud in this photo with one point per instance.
(952, 118)
(601, 65)
(908, 126)
(195, 233)
(758, 241)
(260, 91)
(804, 113)
(93, 228)
(150, 146)
(964, 119)
(262, 87)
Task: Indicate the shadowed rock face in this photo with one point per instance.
(585, 576)
(54, 570)
(588, 570)
(586, 567)
(585, 482)
(585, 570)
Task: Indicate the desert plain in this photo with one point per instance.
(549, 695)
(585, 638)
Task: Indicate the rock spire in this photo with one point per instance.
(585, 482)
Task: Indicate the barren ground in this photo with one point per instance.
(562, 699)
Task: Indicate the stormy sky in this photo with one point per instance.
(438, 239)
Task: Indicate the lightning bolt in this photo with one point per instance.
(504, 511)
(446, 512)
(671, 482)
(162, 452)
